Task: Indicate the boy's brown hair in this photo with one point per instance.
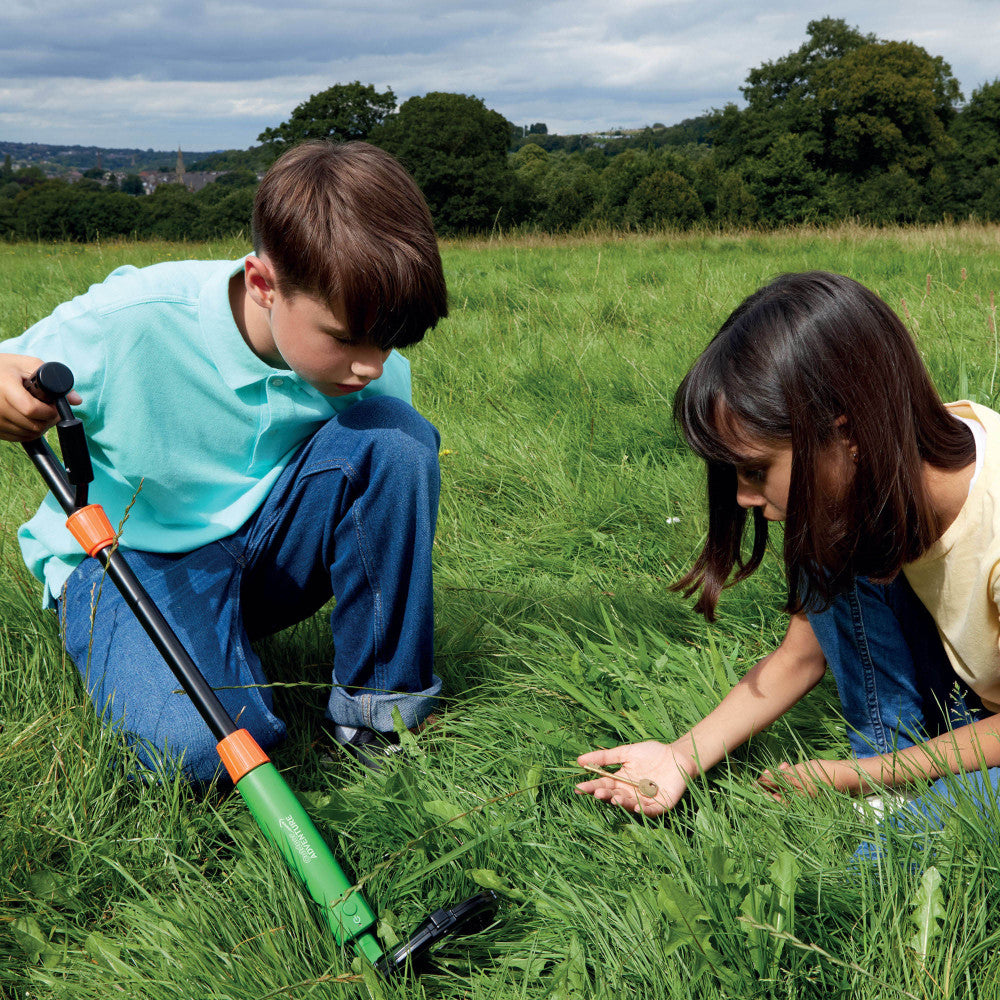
(346, 224)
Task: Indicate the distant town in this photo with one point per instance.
(196, 169)
(57, 161)
(127, 167)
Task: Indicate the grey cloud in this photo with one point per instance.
(195, 41)
(71, 70)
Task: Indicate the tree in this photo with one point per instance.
(859, 104)
(456, 149)
(663, 198)
(617, 182)
(791, 78)
(41, 211)
(781, 95)
(256, 159)
(843, 123)
(785, 185)
(343, 112)
(705, 181)
(735, 204)
(237, 178)
(227, 216)
(888, 197)
(102, 213)
(560, 188)
(568, 194)
(132, 184)
(171, 212)
(532, 166)
(883, 105)
(27, 177)
(974, 168)
(8, 217)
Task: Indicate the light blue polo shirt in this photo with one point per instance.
(184, 421)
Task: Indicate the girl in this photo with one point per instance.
(812, 406)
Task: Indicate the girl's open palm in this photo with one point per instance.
(651, 779)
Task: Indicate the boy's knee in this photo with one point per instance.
(386, 413)
(169, 735)
(396, 432)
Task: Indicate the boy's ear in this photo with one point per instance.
(258, 275)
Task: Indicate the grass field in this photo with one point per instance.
(569, 504)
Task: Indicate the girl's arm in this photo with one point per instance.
(767, 691)
(969, 748)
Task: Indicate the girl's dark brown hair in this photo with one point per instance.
(345, 223)
(802, 361)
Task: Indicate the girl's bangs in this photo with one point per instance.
(708, 423)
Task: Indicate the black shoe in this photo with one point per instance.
(367, 746)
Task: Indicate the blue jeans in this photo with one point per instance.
(897, 686)
(352, 515)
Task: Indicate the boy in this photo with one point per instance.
(256, 417)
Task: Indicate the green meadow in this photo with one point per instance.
(569, 504)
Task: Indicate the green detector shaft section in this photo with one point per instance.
(287, 825)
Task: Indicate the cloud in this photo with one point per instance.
(214, 73)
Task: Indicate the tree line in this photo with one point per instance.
(846, 126)
(38, 208)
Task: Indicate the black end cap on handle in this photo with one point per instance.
(51, 382)
(467, 917)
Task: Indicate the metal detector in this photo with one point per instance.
(275, 808)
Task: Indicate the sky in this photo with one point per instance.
(212, 74)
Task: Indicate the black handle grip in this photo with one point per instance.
(51, 383)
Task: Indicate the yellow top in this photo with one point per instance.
(958, 577)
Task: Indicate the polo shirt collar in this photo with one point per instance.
(236, 363)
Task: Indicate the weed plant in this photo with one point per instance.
(569, 504)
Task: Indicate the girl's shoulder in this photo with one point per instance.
(966, 409)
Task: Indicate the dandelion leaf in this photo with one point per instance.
(688, 921)
(928, 912)
(105, 952)
(489, 879)
(449, 812)
(31, 939)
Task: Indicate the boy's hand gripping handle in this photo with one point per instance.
(51, 383)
